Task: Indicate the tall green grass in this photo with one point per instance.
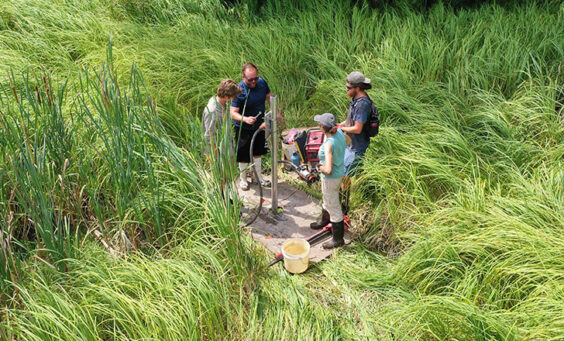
(184, 298)
(115, 225)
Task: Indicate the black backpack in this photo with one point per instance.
(372, 125)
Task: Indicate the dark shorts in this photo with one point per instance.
(243, 142)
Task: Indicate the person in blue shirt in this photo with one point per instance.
(247, 112)
(332, 168)
(358, 114)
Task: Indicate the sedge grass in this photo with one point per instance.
(465, 176)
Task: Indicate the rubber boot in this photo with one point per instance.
(322, 222)
(338, 234)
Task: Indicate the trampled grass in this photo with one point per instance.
(116, 225)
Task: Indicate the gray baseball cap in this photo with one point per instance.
(356, 77)
(327, 120)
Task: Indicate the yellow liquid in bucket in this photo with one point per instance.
(295, 250)
(296, 255)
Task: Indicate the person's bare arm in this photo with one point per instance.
(327, 167)
(356, 129)
(238, 117)
(235, 113)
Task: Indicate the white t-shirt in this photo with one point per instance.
(214, 118)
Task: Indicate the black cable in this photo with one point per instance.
(294, 168)
(256, 176)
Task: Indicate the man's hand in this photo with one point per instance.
(321, 168)
(250, 120)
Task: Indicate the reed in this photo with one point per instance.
(117, 221)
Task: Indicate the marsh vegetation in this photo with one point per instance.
(114, 225)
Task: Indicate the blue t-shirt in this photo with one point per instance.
(251, 102)
(359, 111)
(338, 144)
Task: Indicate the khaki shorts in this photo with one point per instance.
(331, 203)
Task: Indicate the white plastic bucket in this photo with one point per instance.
(296, 255)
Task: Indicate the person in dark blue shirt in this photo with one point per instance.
(247, 111)
(358, 114)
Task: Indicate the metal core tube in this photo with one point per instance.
(274, 137)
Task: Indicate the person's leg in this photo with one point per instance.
(344, 194)
(333, 205)
(243, 176)
(353, 168)
(243, 157)
(324, 219)
(349, 158)
(258, 166)
(259, 149)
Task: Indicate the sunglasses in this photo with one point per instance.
(253, 79)
(350, 87)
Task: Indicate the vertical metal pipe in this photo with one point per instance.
(274, 137)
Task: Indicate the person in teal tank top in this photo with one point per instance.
(332, 168)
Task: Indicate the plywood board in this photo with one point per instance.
(299, 210)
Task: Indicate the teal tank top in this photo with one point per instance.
(338, 144)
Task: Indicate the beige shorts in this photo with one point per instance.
(331, 203)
